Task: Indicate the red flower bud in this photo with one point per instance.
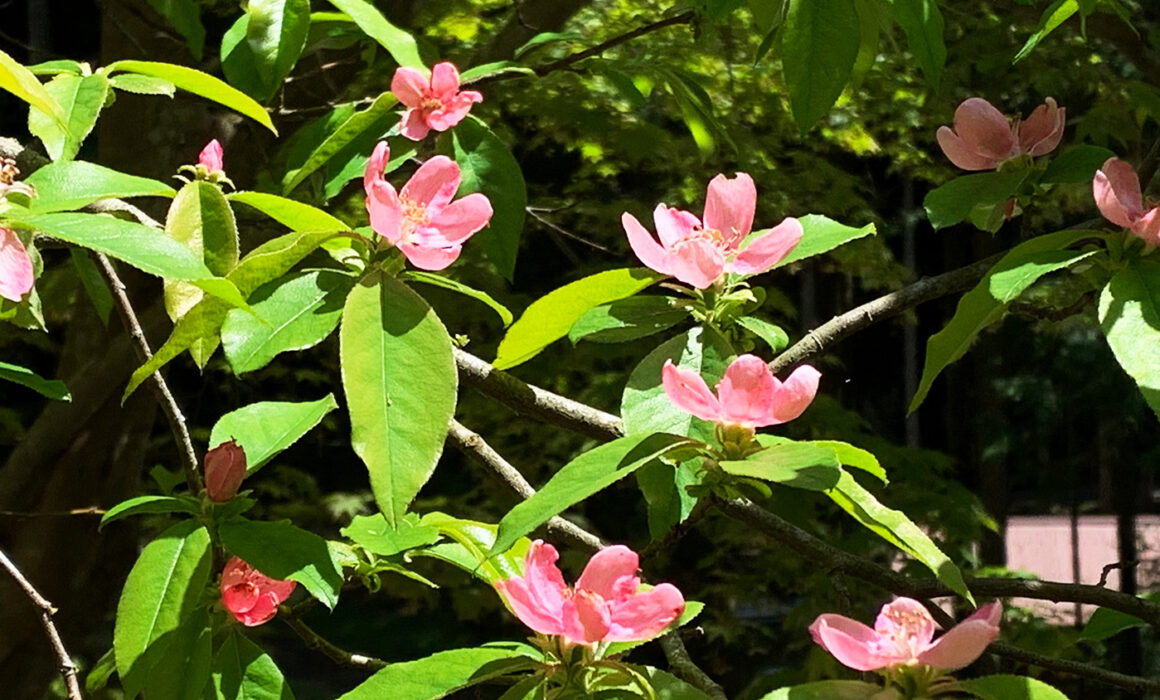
(225, 467)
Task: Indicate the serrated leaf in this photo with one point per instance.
(242, 671)
(74, 184)
(494, 68)
(290, 313)
(62, 65)
(81, 99)
(200, 218)
(585, 475)
(374, 534)
(856, 457)
(367, 122)
(163, 590)
(505, 316)
(19, 81)
(1056, 14)
(953, 202)
(287, 553)
(819, 47)
(1105, 623)
(488, 166)
(400, 380)
(800, 465)
(184, 672)
(202, 84)
(922, 23)
(276, 33)
(440, 674)
(294, 215)
(1076, 164)
(774, 336)
(627, 319)
(397, 42)
(1129, 311)
(821, 235)
(899, 530)
(1005, 687)
(986, 303)
(550, 317)
(185, 17)
(266, 428)
(149, 505)
(143, 84)
(51, 388)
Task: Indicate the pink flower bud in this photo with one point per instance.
(211, 157)
(225, 467)
(251, 596)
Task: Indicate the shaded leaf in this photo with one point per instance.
(266, 428)
(287, 553)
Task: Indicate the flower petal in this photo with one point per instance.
(984, 129)
(453, 111)
(375, 164)
(688, 392)
(729, 206)
(414, 124)
(1116, 189)
(674, 225)
(585, 618)
(410, 86)
(697, 262)
(16, 273)
(385, 210)
(211, 157)
(537, 597)
(768, 249)
(1041, 132)
(959, 152)
(792, 397)
(961, 645)
(463, 217)
(444, 80)
(433, 184)
(644, 245)
(746, 392)
(645, 614)
(605, 568)
(430, 256)
(851, 643)
(1148, 226)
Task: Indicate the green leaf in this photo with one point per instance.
(1129, 311)
(1004, 687)
(62, 65)
(198, 83)
(821, 235)
(240, 65)
(488, 166)
(98, 676)
(852, 456)
(469, 551)
(151, 505)
(374, 534)
(774, 336)
(287, 553)
(276, 33)
(162, 591)
(953, 201)
(986, 303)
(242, 671)
(74, 184)
(185, 17)
(447, 283)
(143, 84)
(550, 317)
(1105, 623)
(397, 42)
(830, 690)
(899, 530)
(819, 46)
(266, 428)
(440, 674)
(1056, 14)
(488, 70)
(628, 319)
(368, 122)
(200, 218)
(52, 388)
(144, 248)
(295, 215)
(290, 313)
(585, 475)
(183, 673)
(800, 465)
(545, 38)
(81, 100)
(94, 283)
(19, 81)
(1076, 164)
(922, 23)
(400, 380)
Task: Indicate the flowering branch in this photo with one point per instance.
(68, 669)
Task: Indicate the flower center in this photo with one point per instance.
(430, 104)
(414, 216)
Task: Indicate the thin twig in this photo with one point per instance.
(1135, 684)
(68, 669)
(72, 512)
(335, 653)
(156, 382)
(682, 665)
(472, 444)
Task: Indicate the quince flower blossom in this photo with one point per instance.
(251, 596)
(748, 395)
(902, 636)
(984, 139)
(1116, 188)
(421, 220)
(431, 104)
(16, 274)
(698, 253)
(604, 606)
(212, 157)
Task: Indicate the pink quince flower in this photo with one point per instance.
(15, 266)
(211, 157)
(225, 468)
(421, 220)
(251, 596)
(984, 139)
(902, 636)
(748, 395)
(698, 253)
(431, 104)
(605, 605)
(1116, 188)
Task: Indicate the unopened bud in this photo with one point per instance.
(211, 157)
(225, 467)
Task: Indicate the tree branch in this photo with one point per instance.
(335, 653)
(682, 664)
(68, 669)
